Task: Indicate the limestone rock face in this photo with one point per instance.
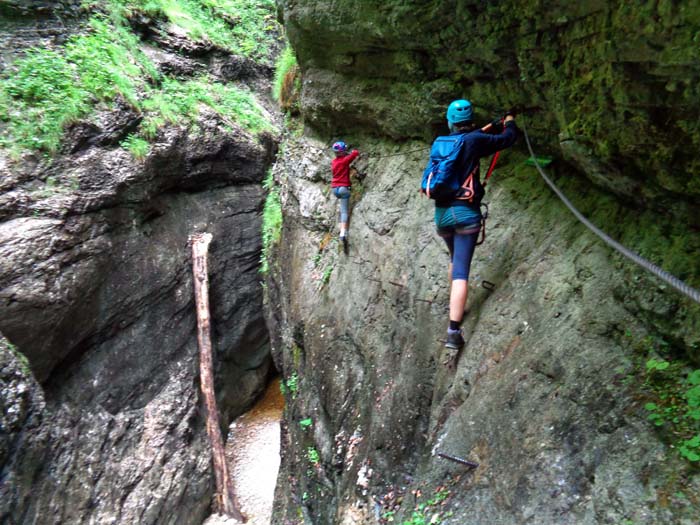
(542, 397)
(619, 79)
(96, 291)
(548, 395)
(102, 421)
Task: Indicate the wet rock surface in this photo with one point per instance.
(547, 395)
(538, 397)
(102, 420)
(96, 292)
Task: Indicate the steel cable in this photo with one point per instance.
(372, 155)
(641, 261)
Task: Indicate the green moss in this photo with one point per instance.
(272, 222)
(657, 238)
(22, 360)
(47, 90)
(619, 77)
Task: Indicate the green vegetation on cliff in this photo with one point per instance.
(621, 78)
(287, 83)
(272, 222)
(243, 27)
(50, 89)
(47, 90)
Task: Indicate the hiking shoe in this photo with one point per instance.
(454, 339)
(344, 242)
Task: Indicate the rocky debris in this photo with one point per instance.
(107, 127)
(537, 398)
(171, 63)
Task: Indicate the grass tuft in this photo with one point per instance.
(137, 146)
(48, 90)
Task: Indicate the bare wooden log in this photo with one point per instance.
(225, 500)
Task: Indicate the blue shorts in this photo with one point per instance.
(459, 226)
(343, 193)
(456, 218)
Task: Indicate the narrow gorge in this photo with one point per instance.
(125, 127)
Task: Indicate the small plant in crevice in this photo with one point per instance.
(306, 423)
(429, 512)
(673, 389)
(22, 360)
(296, 356)
(271, 223)
(137, 146)
(326, 276)
(290, 385)
(313, 456)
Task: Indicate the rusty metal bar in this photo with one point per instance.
(458, 460)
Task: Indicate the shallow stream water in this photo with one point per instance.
(253, 453)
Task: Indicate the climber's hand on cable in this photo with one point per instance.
(496, 125)
(509, 115)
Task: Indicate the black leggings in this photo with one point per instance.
(461, 246)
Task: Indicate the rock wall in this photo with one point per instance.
(101, 411)
(616, 80)
(547, 395)
(543, 396)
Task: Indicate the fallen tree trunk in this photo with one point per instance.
(225, 500)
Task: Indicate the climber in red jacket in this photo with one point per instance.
(340, 184)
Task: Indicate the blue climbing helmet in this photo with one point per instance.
(340, 147)
(459, 111)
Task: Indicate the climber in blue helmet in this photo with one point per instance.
(340, 183)
(459, 112)
(458, 219)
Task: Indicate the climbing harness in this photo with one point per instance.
(482, 229)
(641, 261)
